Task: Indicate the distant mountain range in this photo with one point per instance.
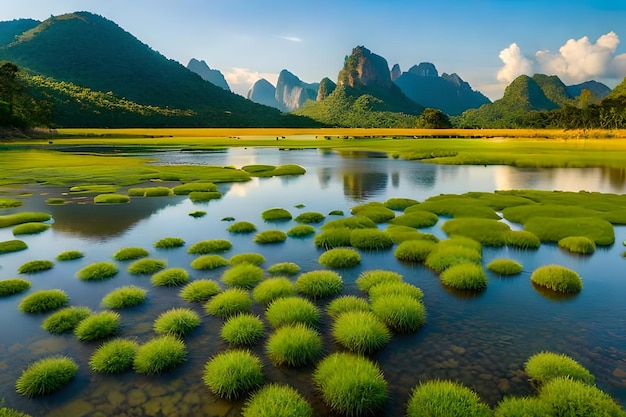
(213, 76)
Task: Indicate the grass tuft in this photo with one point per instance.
(32, 267)
(302, 230)
(55, 201)
(149, 192)
(200, 290)
(414, 250)
(504, 267)
(200, 196)
(209, 246)
(552, 229)
(233, 374)
(176, 321)
(356, 222)
(114, 356)
(439, 398)
(43, 301)
(247, 258)
(284, 268)
(205, 262)
(291, 310)
(310, 217)
(543, 367)
(336, 213)
(13, 245)
(65, 320)
(276, 214)
(242, 275)
(370, 239)
(375, 211)
(400, 204)
(577, 244)
(319, 284)
(570, 397)
(30, 228)
(270, 236)
(185, 189)
(127, 254)
(488, 232)
(522, 239)
(124, 297)
(111, 199)
(400, 312)
(46, 376)
(557, 278)
(333, 238)
(360, 332)
(197, 213)
(171, 277)
(416, 219)
(9, 203)
(70, 255)
(294, 345)
(272, 288)
(229, 302)
(340, 258)
(242, 227)
(444, 255)
(368, 279)
(160, 354)
(276, 400)
(97, 271)
(146, 266)
(97, 326)
(395, 288)
(521, 407)
(24, 217)
(169, 243)
(465, 276)
(346, 303)
(243, 329)
(13, 286)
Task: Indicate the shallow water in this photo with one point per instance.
(482, 340)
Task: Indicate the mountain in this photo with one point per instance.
(292, 93)
(449, 93)
(12, 29)
(396, 72)
(597, 89)
(327, 86)
(263, 92)
(213, 76)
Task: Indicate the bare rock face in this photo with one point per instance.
(395, 72)
(327, 86)
(424, 69)
(263, 92)
(292, 93)
(364, 68)
(213, 76)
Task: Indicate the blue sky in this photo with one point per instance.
(486, 42)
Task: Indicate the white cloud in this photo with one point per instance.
(241, 80)
(515, 64)
(290, 38)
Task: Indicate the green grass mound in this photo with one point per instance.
(159, 355)
(340, 258)
(416, 219)
(30, 228)
(70, 255)
(294, 345)
(176, 321)
(455, 206)
(9, 203)
(577, 244)
(55, 201)
(522, 239)
(370, 239)
(205, 262)
(445, 398)
(169, 243)
(400, 312)
(377, 212)
(356, 222)
(345, 304)
(171, 277)
(292, 310)
(557, 278)
(351, 384)
(146, 266)
(368, 279)
(360, 332)
(247, 258)
(336, 213)
(395, 288)
(93, 188)
(399, 204)
(228, 303)
(243, 329)
(414, 250)
(569, 397)
(114, 356)
(272, 288)
(46, 376)
(270, 236)
(10, 412)
(276, 400)
(461, 241)
(233, 374)
(271, 170)
(127, 254)
(124, 297)
(504, 267)
(543, 367)
(465, 276)
(97, 271)
(319, 284)
(32, 267)
(185, 189)
(111, 199)
(150, 192)
(97, 326)
(523, 213)
(242, 275)
(43, 301)
(276, 214)
(521, 407)
(201, 196)
(488, 232)
(302, 230)
(200, 290)
(284, 268)
(443, 257)
(65, 320)
(197, 213)
(13, 286)
(310, 217)
(552, 229)
(242, 227)
(24, 217)
(13, 245)
(333, 238)
(205, 247)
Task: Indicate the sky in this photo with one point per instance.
(486, 42)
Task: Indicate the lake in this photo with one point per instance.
(481, 340)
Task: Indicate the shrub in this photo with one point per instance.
(189, 187)
(302, 230)
(13, 286)
(377, 212)
(169, 243)
(368, 279)
(504, 267)
(276, 400)
(160, 354)
(391, 288)
(30, 228)
(69, 255)
(247, 258)
(522, 239)
(200, 290)
(400, 312)
(319, 284)
(46, 376)
(229, 302)
(310, 217)
(242, 227)
(242, 275)
(205, 262)
(340, 258)
(572, 398)
(111, 199)
(270, 236)
(233, 373)
(351, 384)
(97, 326)
(209, 246)
(335, 213)
(414, 250)
(14, 245)
(171, 277)
(465, 276)
(273, 288)
(43, 300)
(276, 214)
(32, 267)
(400, 203)
(356, 222)
(126, 254)
(360, 332)
(176, 321)
(284, 268)
(97, 271)
(333, 238)
(521, 407)
(291, 310)
(416, 219)
(346, 303)
(65, 319)
(199, 196)
(294, 345)
(370, 239)
(243, 329)
(24, 217)
(146, 266)
(557, 278)
(114, 356)
(445, 398)
(545, 366)
(197, 213)
(577, 244)
(123, 297)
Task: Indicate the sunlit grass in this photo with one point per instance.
(13, 245)
(176, 321)
(272, 288)
(557, 278)
(169, 243)
(319, 284)
(294, 345)
(24, 217)
(233, 373)
(65, 319)
(43, 300)
(242, 275)
(13, 286)
(545, 366)
(98, 326)
(243, 329)
(228, 303)
(124, 297)
(114, 356)
(200, 290)
(30, 228)
(439, 398)
(111, 199)
(291, 310)
(274, 400)
(284, 268)
(70, 255)
(46, 376)
(204, 247)
(131, 253)
(340, 258)
(503, 266)
(146, 266)
(97, 271)
(171, 277)
(207, 262)
(270, 236)
(159, 355)
(247, 258)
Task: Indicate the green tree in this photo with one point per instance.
(8, 89)
(433, 119)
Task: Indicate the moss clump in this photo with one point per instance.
(370, 239)
(333, 238)
(522, 239)
(445, 398)
(377, 212)
(400, 312)
(340, 258)
(557, 278)
(149, 192)
(368, 279)
(243, 329)
(270, 236)
(346, 303)
(443, 257)
(24, 217)
(488, 232)
(552, 229)
(356, 222)
(302, 230)
(414, 250)
(9, 203)
(395, 288)
(577, 244)
(200, 196)
(171, 277)
(276, 400)
(233, 374)
(32, 267)
(310, 217)
(169, 243)
(351, 384)
(97, 326)
(114, 356)
(247, 258)
(46, 376)
(176, 321)
(123, 297)
(242, 275)
(360, 332)
(13, 286)
(197, 214)
(159, 355)
(521, 407)
(43, 300)
(276, 214)
(65, 319)
(205, 262)
(465, 276)
(127, 254)
(545, 366)
(400, 204)
(569, 397)
(291, 310)
(335, 213)
(111, 199)
(229, 302)
(284, 268)
(70, 255)
(30, 228)
(14, 245)
(242, 227)
(205, 247)
(200, 290)
(272, 288)
(97, 271)
(504, 267)
(55, 201)
(319, 284)
(294, 345)
(146, 266)
(185, 189)
(416, 219)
